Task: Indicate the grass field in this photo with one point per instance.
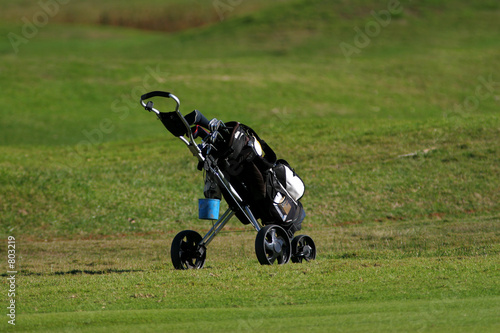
(389, 113)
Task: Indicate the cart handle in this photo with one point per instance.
(149, 106)
(156, 94)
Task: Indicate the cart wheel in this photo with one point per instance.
(272, 244)
(303, 248)
(185, 252)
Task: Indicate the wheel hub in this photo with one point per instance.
(277, 247)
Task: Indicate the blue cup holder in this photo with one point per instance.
(208, 209)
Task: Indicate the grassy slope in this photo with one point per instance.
(346, 123)
(418, 233)
(414, 69)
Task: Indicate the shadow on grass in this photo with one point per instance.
(80, 271)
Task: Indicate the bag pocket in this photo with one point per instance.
(293, 184)
(282, 206)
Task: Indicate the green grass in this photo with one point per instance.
(412, 277)
(398, 148)
(384, 316)
(407, 315)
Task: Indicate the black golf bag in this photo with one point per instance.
(268, 185)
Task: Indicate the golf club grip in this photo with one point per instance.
(197, 118)
(155, 94)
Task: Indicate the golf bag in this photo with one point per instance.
(270, 186)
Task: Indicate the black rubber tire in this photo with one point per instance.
(272, 245)
(185, 252)
(303, 248)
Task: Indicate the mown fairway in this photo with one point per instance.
(395, 131)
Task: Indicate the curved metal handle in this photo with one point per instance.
(149, 106)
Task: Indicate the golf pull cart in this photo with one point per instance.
(243, 169)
